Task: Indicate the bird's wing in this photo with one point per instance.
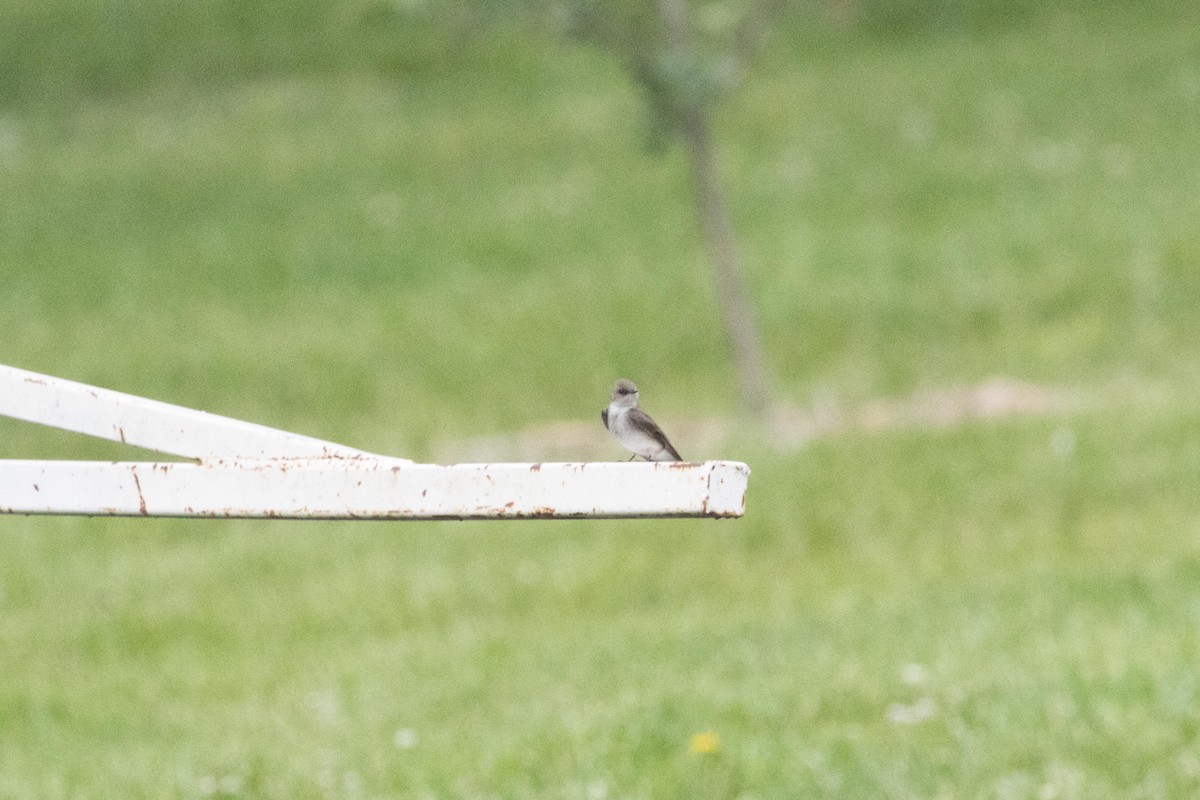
(604, 417)
(642, 420)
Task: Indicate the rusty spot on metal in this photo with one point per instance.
(38, 381)
(544, 512)
(536, 468)
(509, 505)
(138, 484)
(680, 465)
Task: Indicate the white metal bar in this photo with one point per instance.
(373, 488)
(147, 423)
(248, 470)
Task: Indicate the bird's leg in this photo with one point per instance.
(632, 457)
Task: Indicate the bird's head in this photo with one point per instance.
(625, 393)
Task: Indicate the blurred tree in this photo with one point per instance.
(686, 56)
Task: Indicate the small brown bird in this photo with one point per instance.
(633, 427)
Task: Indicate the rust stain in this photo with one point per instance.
(138, 484)
(509, 505)
(680, 465)
(544, 512)
(38, 381)
(121, 433)
(536, 468)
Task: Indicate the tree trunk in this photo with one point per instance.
(716, 227)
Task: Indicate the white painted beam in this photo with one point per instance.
(245, 470)
(150, 424)
(373, 488)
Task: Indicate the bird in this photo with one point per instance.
(633, 427)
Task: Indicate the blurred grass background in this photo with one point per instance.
(396, 225)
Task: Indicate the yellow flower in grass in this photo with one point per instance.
(704, 742)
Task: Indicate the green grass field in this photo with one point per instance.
(373, 225)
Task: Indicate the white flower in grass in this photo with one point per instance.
(405, 739)
(913, 713)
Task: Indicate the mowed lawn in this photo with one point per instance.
(403, 235)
